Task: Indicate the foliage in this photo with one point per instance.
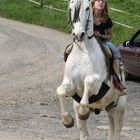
(27, 11)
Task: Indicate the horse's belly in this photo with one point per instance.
(111, 96)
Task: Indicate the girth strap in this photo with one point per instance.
(94, 98)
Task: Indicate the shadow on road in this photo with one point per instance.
(134, 79)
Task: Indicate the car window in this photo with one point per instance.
(136, 41)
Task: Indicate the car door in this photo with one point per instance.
(131, 55)
(130, 59)
(134, 54)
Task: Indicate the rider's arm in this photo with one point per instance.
(108, 34)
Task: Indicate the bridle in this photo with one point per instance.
(76, 18)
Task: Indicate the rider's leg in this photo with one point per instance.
(116, 67)
(117, 84)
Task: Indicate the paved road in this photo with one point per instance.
(31, 68)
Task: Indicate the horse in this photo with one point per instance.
(86, 76)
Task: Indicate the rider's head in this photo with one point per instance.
(100, 6)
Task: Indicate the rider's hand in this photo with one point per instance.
(97, 34)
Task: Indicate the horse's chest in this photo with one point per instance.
(79, 69)
(83, 66)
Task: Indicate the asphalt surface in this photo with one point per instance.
(31, 68)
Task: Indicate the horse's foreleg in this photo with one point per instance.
(83, 109)
(84, 112)
(91, 85)
(66, 117)
(81, 124)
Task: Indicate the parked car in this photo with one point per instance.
(130, 51)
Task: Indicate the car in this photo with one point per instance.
(130, 51)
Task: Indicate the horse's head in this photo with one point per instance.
(80, 13)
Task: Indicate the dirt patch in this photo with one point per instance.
(31, 68)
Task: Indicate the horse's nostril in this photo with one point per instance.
(73, 34)
(82, 34)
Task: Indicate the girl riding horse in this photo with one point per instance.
(103, 30)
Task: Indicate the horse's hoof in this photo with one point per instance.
(84, 117)
(69, 125)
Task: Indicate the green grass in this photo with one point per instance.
(25, 11)
(132, 7)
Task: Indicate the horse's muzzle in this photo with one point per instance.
(79, 37)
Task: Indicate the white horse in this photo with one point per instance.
(86, 74)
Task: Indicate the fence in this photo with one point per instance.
(117, 10)
(38, 3)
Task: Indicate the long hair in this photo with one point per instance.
(105, 12)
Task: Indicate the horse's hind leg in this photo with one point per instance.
(116, 123)
(111, 126)
(66, 117)
(116, 116)
(81, 124)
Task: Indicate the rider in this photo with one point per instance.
(103, 30)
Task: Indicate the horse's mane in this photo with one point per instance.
(76, 14)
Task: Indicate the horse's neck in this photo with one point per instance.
(88, 45)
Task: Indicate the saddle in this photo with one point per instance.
(67, 51)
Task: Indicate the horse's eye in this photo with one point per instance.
(87, 8)
(72, 1)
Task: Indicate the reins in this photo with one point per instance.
(86, 28)
(89, 37)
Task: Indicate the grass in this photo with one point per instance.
(26, 11)
(132, 7)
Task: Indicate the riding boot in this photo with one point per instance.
(118, 85)
(67, 51)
